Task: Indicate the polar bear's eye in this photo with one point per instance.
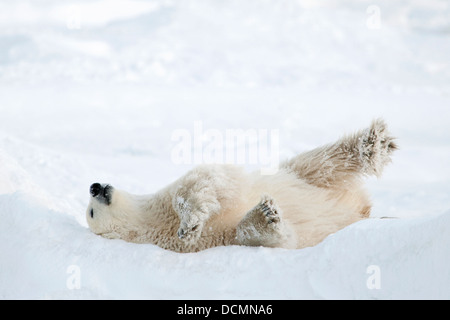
(92, 213)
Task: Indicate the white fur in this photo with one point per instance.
(311, 196)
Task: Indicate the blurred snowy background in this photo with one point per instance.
(93, 90)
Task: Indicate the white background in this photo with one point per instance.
(92, 91)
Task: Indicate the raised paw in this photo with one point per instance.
(379, 137)
(376, 147)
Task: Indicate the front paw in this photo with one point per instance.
(190, 231)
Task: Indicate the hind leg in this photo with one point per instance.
(342, 163)
(263, 226)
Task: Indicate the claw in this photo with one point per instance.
(181, 234)
(273, 220)
(186, 233)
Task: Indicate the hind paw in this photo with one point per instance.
(376, 146)
(269, 209)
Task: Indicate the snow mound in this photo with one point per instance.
(48, 254)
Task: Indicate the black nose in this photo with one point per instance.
(95, 189)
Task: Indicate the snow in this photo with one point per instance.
(92, 91)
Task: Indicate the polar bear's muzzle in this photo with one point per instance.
(102, 192)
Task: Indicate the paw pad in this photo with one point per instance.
(269, 209)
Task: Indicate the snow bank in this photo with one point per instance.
(48, 254)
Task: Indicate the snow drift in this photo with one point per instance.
(42, 245)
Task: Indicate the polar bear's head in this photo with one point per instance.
(110, 211)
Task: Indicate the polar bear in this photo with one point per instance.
(312, 195)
